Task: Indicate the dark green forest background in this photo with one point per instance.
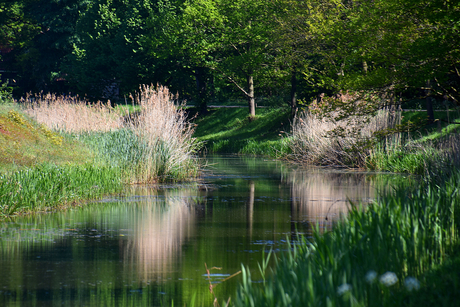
(272, 51)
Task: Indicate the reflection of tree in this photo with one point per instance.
(163, 225)
(251, 208)
(321, 196)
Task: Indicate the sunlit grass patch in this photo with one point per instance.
(24, 143)
(429, 157)
(229, 130)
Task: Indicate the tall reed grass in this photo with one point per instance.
(155, 144)
(336, 140)
(71, 114)
(369, 259)
(165, 129)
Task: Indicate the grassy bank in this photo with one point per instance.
(229, 130)
(391, 254)
(41, 169)
(57, 151)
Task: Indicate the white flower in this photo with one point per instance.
(388, 279)
(411, 283)
(342, 289)
(371, 276)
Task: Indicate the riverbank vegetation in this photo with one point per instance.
(380, 140)
(340, 66)
(385, 255)
(58, 150)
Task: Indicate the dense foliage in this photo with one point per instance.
(214, 49)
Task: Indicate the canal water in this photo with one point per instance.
(163, 245)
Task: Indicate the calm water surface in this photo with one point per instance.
(152, 245)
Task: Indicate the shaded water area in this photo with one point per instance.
(151, 245)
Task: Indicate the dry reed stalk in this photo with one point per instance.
(163, 125)
(71, 114)
(325, 140)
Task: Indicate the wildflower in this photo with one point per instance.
(371, 276)
(342, 289)
(388, 279)
(411, 283)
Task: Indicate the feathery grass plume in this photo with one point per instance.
(340, 130)
(71, 114)
(164, 127)
(154, 144)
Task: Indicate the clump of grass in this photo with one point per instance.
(430, 158)
(276, 148)
(47, 185)
(369, 257)
(335, 140)
(165, 129)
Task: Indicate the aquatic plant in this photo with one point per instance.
(369, 257)
(46, 185)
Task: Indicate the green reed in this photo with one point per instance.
(369, 257)
(140, 161)
(430, 158)
(49, 185)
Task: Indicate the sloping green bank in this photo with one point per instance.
(41, 169)
(387, 255)
(229, 130)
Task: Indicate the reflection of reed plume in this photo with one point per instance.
(163, 226)
(322, 197)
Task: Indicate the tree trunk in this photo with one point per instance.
(429, 103)
(201, 89)
(293, 102)
(251, 98)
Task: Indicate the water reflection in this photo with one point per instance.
(160, 231)
(321, 196)
(150, 246)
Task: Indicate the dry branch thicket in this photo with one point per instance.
(332, 138)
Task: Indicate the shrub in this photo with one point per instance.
(337, 141)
